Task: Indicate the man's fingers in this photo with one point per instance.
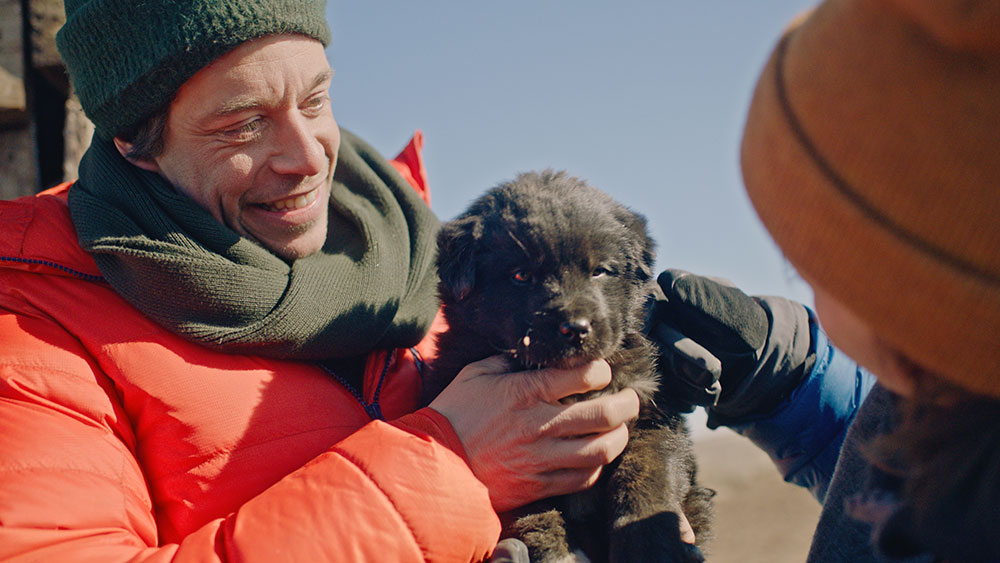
(687, 532)
(492, 365)
(549, 385)
(589, 451)
(596, 415)
(570, 480)
(553, 385)
(544, 485)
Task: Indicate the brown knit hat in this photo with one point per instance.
(872, 154)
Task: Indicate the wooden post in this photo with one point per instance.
(43, 132)
(17, 162)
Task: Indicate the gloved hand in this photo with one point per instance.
(734, 354)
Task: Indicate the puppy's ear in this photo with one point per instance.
(644, 250)
(456, 259)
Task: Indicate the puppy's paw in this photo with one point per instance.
(544, 533)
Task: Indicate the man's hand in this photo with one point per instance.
(525, 445)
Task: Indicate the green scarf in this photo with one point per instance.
(373, 285)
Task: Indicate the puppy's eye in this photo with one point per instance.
(602, 271)
(522, 277)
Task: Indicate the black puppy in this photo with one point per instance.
(555, 273)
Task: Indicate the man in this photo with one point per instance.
(211, 342)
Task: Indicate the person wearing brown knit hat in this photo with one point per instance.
(870, 155)
(212, 341)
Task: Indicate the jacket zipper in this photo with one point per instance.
(373, 409)
(60, 267)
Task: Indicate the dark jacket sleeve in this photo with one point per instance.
(804, 435)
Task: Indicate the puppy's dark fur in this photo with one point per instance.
(552, 272)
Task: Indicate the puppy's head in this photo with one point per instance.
(547, 269)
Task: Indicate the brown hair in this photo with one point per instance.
(945, 450)
(147, 137)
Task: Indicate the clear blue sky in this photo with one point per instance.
(644, 99)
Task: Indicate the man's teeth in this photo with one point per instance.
(297, 202)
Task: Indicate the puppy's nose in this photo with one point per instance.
(576, 328)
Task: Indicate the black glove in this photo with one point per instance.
(734, 354)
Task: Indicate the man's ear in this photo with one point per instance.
(125, 147)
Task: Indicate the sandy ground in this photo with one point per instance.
(759, 517)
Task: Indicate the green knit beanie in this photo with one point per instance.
(127, 59)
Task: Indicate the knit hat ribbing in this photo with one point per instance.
(127, 59)
(870, 154)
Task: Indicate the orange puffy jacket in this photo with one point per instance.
(120, 441)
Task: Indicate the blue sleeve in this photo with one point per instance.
(804, 434)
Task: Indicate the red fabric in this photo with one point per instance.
(122, 441)
(410, 164)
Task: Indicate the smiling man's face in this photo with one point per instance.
(252, 138)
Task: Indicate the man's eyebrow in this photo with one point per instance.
(244, 103)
